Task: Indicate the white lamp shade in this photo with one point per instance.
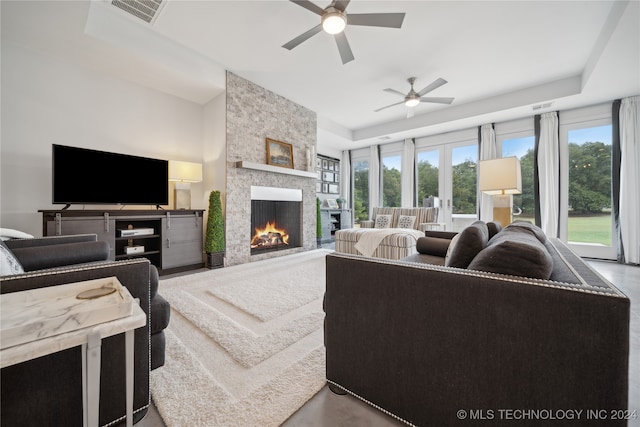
(185, 171)
(500, 176)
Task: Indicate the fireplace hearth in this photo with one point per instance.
(276, 219)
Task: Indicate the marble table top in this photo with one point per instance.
(39, 313)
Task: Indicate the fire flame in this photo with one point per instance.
(269, 236)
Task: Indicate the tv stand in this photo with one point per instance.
(172, 242)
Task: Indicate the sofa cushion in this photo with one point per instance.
(528, 228)
(406, 221)
(383, 221)
(468, 243)
(433, 246)
(515, 252)
(9, 264)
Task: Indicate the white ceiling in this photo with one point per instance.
(500, 58)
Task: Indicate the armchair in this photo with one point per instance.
(53, 383)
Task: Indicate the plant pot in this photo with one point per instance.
(215, 259)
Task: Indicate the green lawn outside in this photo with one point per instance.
(595, 229)
(590, 229)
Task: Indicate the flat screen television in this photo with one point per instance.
(84, 176)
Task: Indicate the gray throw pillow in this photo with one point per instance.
(471, 240)
(527, 228)
(516, 253)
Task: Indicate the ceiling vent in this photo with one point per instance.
(542, 106)
(147, 10)
(384, 138)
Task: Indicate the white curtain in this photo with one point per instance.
(374, 179)
(488, 150)
(630, 178)
(345, 171)
(549, 173)
(408, 174)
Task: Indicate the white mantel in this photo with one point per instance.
(275, 169)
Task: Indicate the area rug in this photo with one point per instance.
(244, 344)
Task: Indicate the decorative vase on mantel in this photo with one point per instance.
(214, 244)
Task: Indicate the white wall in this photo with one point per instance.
(46, 100)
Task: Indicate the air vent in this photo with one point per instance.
(542, 106)
(147, 10)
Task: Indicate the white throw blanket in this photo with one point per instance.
(370, 238)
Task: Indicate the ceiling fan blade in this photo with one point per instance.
(433, 86)
(341, 5)
(303, 37)
(309, 6)
(437, 100)
(390, 20)
(380, 109)
(343, 47)
(395, 92)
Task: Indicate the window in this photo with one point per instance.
(428, 174)
(360, 189)
(523, 148)
(590, 185)
(392, 180)
(464, 162)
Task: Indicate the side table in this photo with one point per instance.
(93, 320)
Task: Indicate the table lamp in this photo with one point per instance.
(501, 178)
(184, 173)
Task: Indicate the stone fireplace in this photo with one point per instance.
(253, 114)
(276, 219)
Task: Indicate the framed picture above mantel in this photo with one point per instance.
(279, 153)
(328, 169)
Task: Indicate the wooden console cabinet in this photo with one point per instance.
(173, 241)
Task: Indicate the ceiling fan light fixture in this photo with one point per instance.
(412, 102)
(334, 21)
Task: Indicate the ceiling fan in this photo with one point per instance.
(333, 20)
(413, 98)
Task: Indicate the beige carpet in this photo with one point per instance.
(244, 344)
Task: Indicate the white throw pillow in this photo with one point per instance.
(8, 262)
(383, 221)
(450, 249)
(9, 233)
(406, 221)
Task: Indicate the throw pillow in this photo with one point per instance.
(406, 221)
(383, 221)
(433, 246)
(494, 228)
(452, 245)
(527, 228)
(516, 253)
(9, 264)
(9, 233)
(472, 240)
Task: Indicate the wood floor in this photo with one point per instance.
(328, 409)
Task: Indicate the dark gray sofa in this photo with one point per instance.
(424, 342)
(48, 391)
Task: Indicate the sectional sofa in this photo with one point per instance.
(461, 334)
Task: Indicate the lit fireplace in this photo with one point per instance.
(276, 219)
(268, 236)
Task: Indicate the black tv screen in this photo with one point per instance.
(83, 176)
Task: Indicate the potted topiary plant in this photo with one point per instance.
(341, 202)
(214, 244)
(318, 224)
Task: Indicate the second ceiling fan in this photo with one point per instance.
(413, 98)
(333, 20)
